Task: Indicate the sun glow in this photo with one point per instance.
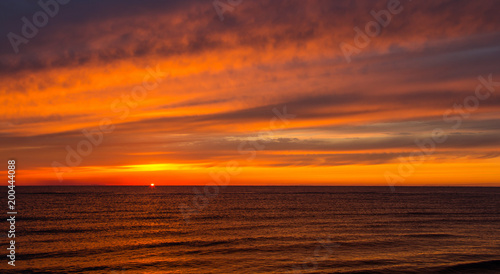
(159, 167)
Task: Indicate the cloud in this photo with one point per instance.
(225, 78)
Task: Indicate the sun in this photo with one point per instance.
(152, 185)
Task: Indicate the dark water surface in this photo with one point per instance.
(256, 230)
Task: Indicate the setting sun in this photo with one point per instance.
(287, 136)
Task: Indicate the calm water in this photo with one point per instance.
(257, 230)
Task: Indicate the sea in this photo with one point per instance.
(254, 229)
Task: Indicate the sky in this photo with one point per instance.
(251, 92)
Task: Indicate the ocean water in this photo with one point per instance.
(256, 230)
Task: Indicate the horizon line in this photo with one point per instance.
(145, 185)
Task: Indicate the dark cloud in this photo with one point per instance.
(133, 29)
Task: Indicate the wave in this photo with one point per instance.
(490, 266)
(431, 235)
(484, 265)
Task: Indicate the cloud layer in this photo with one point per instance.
(184, 90)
